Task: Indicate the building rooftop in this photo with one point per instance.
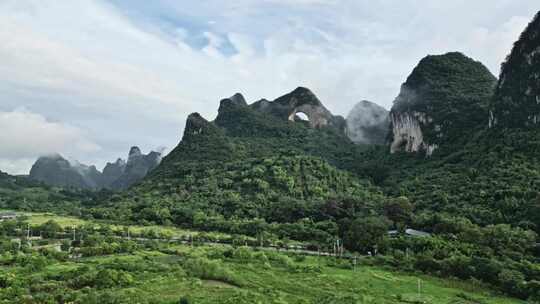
(411, 232)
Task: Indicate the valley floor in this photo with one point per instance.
(164, 272)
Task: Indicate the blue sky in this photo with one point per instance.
(90, 78)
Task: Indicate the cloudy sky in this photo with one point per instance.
(90, 78)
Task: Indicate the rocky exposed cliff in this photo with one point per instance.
(517, 98)
(407, 132)
(443, 101)
(368, 123)
(113, 171)
(136, 168)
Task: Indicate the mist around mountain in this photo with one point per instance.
(368, 123)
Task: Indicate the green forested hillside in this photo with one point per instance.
(24, 194)
(452, 93)
(516, 102)
(493, 179)
(249, 169)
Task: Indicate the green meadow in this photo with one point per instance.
(184, 274)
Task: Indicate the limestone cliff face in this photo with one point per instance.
(368, 123)
(517, 97)
(113, 171)
(443, 101)
(137, 167)
(407, 133)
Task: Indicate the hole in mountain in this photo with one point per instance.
(301, 116)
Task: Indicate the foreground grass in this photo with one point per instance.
(247, 276)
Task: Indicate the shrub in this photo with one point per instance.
(243, 254)
(261, 257)
(299, 258)
(108, 278)
(307, 269)
(184, 300)
(281, 260)
(534, 291)
(204, 268)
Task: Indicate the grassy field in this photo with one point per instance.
(38, 218)
(222, 274)
(253, 277)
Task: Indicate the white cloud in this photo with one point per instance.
(16, 166)
(27, 135)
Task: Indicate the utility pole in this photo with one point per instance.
(338, 251)
(73, 227)
(28, 235)
(419, 289)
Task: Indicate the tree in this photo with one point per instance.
(365, 234)
(534, 213)
(65, 245)
(398, 210)
(50, 229)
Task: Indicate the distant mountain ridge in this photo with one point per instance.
(55, 170)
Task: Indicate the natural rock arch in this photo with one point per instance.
(300, 116)
(317, 114)
(301, 100)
